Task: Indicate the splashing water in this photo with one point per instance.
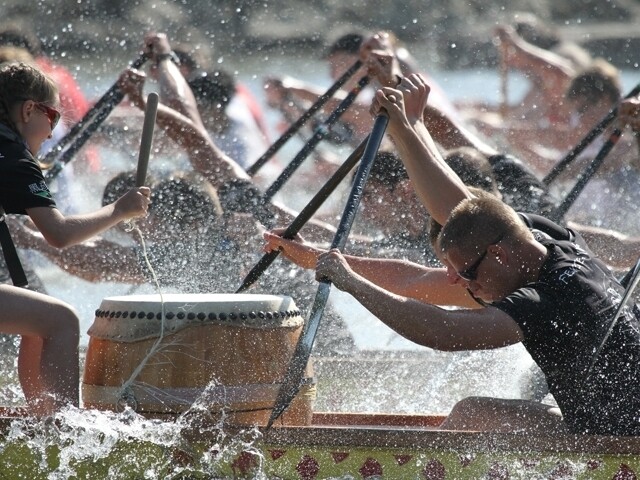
(78, 443)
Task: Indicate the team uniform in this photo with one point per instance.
(22, 186)
(564, 316)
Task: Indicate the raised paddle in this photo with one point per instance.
(78, 135)
(320, 133)
(585, 176)
(305, 214)
(291, 383)
(291, 131)
(562, 165)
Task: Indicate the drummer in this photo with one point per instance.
(48, 357)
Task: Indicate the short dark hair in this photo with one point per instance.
(21, 38)
(473, 168)
(348, 43)
(599, 81)
(537, 32)
(213, 89)
(388, 169)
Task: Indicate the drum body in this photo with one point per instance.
(226, 353)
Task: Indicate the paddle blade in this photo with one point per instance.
(291, 383)
(147, 138)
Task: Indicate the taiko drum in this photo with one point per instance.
(227, 353)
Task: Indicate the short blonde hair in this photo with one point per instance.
(476, 223)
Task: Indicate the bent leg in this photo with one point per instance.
(501, 415)
(48, 361)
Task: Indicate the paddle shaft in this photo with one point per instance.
(305, 214)
(319, 134)
(631, 286)
(293, 377)
(146, 140)
(78, 135)
(562, 165)
(585, 176)
(291, 131)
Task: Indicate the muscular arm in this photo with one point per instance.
(206, 158)
(420, 322)
(94, 261)
(437, 185)
(174, 89)
(396, 276)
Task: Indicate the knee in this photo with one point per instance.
(65, 323)
(471, 405)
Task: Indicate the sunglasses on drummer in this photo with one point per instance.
(52, 114)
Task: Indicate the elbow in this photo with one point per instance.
(58, 241)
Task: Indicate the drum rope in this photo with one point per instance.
(126, 395)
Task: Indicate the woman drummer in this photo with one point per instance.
(49, 330)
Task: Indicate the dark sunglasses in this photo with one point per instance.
(52, 114)
(471, 273)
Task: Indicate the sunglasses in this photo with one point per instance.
(471, 273)
(52, 114)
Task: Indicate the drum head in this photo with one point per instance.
(137, 317)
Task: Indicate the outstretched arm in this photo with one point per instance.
(397, 276)
(95, 260)
(545, 69)
(204, 155)
(420, 322)
(174, 89)
(63, 231)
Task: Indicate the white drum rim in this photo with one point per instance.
(140, 317)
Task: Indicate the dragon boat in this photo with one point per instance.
(151, 410)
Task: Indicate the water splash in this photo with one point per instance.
(78, 443)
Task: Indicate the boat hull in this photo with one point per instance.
(336, 446)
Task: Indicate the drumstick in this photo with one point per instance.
(147, 138)
(291, 383)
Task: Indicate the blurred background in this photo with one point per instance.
(450, 33)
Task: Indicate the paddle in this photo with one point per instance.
(293, 377)
(305, 214)
(321, 132)
(633, 279)
(324, 98)
(58, 156)
(562, 165)
(585, 176)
